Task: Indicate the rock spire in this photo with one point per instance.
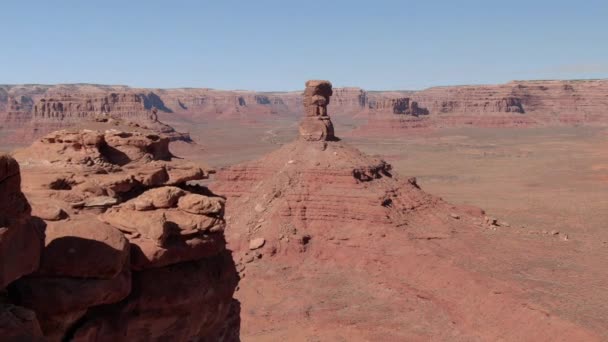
(316, 125)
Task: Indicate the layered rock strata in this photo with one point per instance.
(36, 114)
(37, 109)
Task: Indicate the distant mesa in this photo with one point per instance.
(29, 111)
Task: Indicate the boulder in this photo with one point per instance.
(180, 174)
(146, 254)
(151, 225)
(49, 212)
(49, 296)
(201, 205)
(256, 243)
(83, 249)
(184, 223)
(20, 248)
(165, 197)
(197, 307)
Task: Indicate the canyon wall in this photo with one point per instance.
(29, 112)
(517, 103)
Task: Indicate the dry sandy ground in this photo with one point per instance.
(540, 180)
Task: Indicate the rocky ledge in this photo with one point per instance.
(114, 243)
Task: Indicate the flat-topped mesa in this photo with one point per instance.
(316, 124)
(75, 106)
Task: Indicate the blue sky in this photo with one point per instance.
(277, 45)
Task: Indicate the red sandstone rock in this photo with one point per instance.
(198, 303)
(180, 174)
(59, 295)
(86, 264)
(49, 213)
(165, 197)
(150, 224)
(83, 249)
(317, 125)
(146, 254)
(20, 243)
(201, 205)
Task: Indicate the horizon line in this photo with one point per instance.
(298, 90)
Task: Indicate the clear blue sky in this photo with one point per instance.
(277, 45)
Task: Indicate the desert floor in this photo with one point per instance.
(549, 184)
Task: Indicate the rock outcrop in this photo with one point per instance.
(131, 250)
(88, 148)
(19, 241)
(20, 249)
(331, 243)
(316, 125)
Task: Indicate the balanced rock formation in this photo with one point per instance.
(316, 124)
(131, 251)
(333, 245)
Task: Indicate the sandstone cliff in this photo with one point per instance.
(31, 112)
(517, 103)
(120, 246)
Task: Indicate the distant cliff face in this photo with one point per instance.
(517, 103)
(77, 106)
(209, 103)
(29, 112)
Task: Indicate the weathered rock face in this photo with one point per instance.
(20, 242)
(316, 125)
(18, 110)
(34, 111)
(78, 106)
(20, 248)
(396, 105)
(88, 148)
(130, 250)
